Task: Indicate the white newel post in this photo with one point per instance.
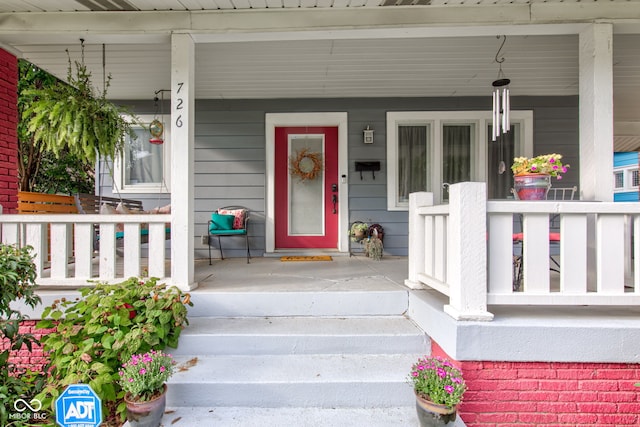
(182, 160)
(467, 252)
(417, 242)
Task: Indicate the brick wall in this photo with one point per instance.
(8, 131)
(545, 394)
(24, 358)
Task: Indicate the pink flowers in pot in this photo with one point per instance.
(144, 375)
(547, 164)
(437, 380)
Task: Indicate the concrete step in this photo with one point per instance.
(300, 335)
(285, 417)
(383, 300)
(278, 381)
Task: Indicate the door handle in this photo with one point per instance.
(334, 200)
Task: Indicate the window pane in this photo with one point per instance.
(413, 146)
(143, 160)
(635, 178)
(456, 155)
(503, 149)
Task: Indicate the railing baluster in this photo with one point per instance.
(573, 253)
(501, 252)
(59, 251)
(610, 253)
(83, 250)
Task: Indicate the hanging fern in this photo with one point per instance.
(72, 116)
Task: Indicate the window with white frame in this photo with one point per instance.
(144, 166)
(427, 150)
(634, 178)
(619, 179)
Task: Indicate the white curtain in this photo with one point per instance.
(412, 160)
(456, 153)
(144, 161)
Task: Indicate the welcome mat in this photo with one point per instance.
(306, 258)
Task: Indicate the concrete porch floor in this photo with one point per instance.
(272, 274)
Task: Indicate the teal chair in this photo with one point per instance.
(229, 221)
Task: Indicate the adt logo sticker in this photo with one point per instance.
(78, 406)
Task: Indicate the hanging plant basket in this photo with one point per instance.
(306, 165)
(73, 117)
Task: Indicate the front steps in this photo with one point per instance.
(332, 357)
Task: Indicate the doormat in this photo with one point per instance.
(306, 258)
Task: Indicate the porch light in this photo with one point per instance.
(501, 104)
(368, 135)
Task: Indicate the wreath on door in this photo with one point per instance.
(305, 165)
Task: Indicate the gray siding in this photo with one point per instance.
(230, 155)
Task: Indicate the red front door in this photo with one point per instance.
(306, 187)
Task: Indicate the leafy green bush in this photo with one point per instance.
(17, 281)
(95, 334)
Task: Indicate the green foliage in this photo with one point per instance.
(17, 281)
(72, 118)
(96, 333)
(40, 170)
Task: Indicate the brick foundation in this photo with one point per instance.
(8, 132)
(546, 394)
(25, 359)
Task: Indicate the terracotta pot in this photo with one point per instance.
(146, 414)
(432, 414)
(534, 186)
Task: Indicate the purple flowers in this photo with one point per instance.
(144, 375)
(438, 380)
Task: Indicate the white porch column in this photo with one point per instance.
(596, 112)
(182, 160)
(467, 252)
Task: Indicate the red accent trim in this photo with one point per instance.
(281, 180)
(505, 394)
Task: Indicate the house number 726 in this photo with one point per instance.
(179, 103)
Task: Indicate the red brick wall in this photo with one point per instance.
(545, 394)
(24, 358)
(8, 132)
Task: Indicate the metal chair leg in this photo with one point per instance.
(209, 246)
(246, 238)
(220, 246)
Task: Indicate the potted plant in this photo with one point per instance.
(439, 387)
(532, 176)
(143, 379)
(358, 231)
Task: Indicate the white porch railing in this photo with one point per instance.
(64, 246)
(465, 250)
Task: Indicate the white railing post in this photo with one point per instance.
(417, 242)
(467, 252)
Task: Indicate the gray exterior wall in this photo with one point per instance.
(230, 156)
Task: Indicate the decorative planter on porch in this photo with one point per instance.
(147, 413)
(533, 186)
(431, 414)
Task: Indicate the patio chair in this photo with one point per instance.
(229, 221)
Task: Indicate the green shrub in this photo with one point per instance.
(95, 334)
(17, 282)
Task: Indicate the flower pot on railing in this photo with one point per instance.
(534, 186)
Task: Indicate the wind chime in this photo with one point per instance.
(156, 127)
(501, 106)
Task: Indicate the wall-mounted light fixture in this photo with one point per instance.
(368, 135)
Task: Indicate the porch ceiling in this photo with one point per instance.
(399, 61)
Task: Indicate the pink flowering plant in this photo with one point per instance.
(144, 375)
(437, 380)
(548, 164)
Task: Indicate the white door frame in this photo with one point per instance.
(273, 120)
